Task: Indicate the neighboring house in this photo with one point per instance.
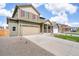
(60, 28)
(64, 28)
(26, 20)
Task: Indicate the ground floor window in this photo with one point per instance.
(14, 28)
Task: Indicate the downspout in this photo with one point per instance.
(20, 31)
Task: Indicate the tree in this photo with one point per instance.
(78, 29)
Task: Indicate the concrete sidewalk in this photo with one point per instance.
(55, 46)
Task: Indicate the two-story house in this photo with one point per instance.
(26, 20)
(64, 28)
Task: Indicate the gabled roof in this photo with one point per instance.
(64, 26)
(24, 5)
(42, 18)
(48, 21)
(16, 7)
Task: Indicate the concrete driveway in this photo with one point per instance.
(54, 45)
(19, 46)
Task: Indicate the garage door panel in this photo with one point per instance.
(27, 30)
(55, 30)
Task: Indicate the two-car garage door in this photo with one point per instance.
(27, 30)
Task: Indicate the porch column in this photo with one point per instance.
(42, 28)
(51, 29)
(47, 28)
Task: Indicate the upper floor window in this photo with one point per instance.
(22, 13)
(33, 16)
(26, 14)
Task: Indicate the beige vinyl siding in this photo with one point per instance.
(11, 25)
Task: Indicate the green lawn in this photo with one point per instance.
(67, 37)
(77, 33)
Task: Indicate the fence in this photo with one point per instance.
(4, 32)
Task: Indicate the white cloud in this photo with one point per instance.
(11, 12)
(4, 24)
(0, 23)
(60, 18)
(70, 8)
(37, 4)
(41, 16)
(3, 11)
(2, 5)
(60, 9)
(75, 24)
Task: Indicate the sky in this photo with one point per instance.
(64, 13)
